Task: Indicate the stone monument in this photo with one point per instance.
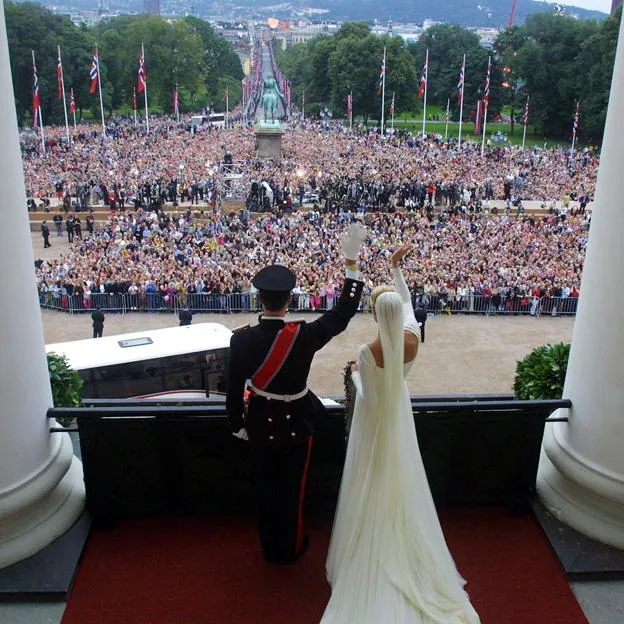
(268, 131)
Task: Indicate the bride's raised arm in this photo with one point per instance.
(410, 325)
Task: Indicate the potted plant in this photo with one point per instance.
(66, 384)
(541, 374)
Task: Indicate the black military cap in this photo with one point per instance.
(274, 278)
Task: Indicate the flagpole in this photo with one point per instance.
(74, 111)
(99, 71)
(177, 102)
(383, 93)
(38, 111)
(134, 105)
(425, 94)
(392, 120)
(145, 89)
(227, 108)
(351, 111)
(525, 121)
(448, 105)
(575, 126)
(461, 103)
(63, 89)
(303, 104)
(485, 105)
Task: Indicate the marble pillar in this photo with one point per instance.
(581, 472)
(41, 484)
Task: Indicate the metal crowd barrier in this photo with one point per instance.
(218, 303)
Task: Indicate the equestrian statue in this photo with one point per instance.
(270, 97)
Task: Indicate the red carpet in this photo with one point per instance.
(209, 571)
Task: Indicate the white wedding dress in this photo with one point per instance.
(388, 562)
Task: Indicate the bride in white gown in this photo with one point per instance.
(388, 562)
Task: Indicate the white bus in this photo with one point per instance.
(216, 120)
(173, 363)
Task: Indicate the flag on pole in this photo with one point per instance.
(72, 102)
(460, 85)
(382, 74)
(59, 76)
(392, 104)
(93, 73)
(525, 117)
(141, 75)
(576, 121)
(486, 92)
(423, 77)
(176, 101)
(36, 100)
(349, 103)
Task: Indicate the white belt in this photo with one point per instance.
(287, 398)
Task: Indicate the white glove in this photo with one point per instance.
(353, 240)
(241, 434)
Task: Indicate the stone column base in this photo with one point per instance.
(583, 495)
(269, 142)
(37, 511)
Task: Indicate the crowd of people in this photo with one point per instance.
(181, 163)
(405, 187)
(459, 257)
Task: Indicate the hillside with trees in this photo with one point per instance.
(186, 51)
(554, 59)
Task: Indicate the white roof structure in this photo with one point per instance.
(142, 345)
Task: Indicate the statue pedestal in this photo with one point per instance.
(269, 141)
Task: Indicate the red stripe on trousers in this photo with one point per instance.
(304, 478)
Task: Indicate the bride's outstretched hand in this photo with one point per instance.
(397, 256)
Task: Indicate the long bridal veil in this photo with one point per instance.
(388, 554)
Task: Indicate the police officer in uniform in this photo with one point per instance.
(272, 359)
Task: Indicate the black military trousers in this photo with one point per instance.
(280, 474)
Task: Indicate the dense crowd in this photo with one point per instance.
(360, 170)
(457, 255)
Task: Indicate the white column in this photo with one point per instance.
(581, 473)
(41, 485)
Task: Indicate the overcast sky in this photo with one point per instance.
(593, 5)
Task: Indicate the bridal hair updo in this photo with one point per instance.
(379, 290)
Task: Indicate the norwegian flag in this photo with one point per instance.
(59, 74)
(141, 75)
(135, 104)
(575, 125)
(460, 84)
(525, 116)
(423, 78)
(93, 73)
(72, 101)
(392, 104)
(36, 100)
(486, 92)
(176, 101)
(350, 103)
(382, 74)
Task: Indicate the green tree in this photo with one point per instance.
(549, 62)
(447, 44)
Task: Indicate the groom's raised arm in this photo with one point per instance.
(335, 321)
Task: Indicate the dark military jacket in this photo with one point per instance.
(273, 422)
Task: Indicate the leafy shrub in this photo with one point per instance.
(66, 383)
(541, 374)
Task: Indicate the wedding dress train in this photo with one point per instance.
(388, 562)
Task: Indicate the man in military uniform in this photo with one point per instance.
(272, 359)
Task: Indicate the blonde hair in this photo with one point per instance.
(379, 290)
